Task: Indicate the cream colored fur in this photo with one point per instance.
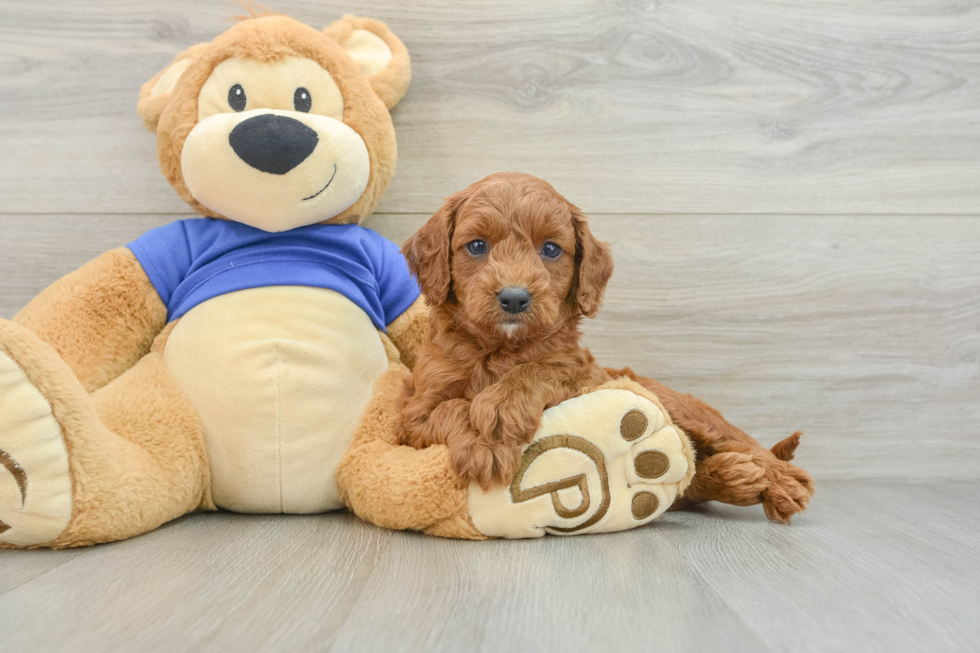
(135, 453)
(37, 490)
(278, 398)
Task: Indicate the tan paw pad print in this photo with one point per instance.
(605, 461)
(35, 487)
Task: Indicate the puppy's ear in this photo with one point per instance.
(593, 266)
(428, 251)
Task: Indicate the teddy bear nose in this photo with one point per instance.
(272, 143)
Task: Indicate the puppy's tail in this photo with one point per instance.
(785, 449)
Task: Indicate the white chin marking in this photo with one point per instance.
(510, 329)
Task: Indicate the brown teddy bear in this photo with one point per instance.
(248, 359)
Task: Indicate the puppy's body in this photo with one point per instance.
(509, 267)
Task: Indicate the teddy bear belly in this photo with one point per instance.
(279, 377)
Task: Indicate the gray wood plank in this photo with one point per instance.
(866, 570)
(585, 594)
(872, 566)
(697, 107)
(217, 582)
(865, 333)
(18, 569)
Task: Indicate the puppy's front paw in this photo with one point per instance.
(499, 417)
(476, 461)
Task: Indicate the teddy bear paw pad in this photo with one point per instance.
(35, 486)
(605, 461)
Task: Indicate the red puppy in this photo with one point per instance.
(509, 267)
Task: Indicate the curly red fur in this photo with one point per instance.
(484, 376)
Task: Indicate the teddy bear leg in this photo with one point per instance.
(84, 468)
(608, 460)
(399, 487)
(731, 466)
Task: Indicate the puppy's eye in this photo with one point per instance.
(236, 97)
(302, 100)
(476, 247)
(551, 250)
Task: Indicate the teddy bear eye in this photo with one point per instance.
(236, 97)
(302, 100)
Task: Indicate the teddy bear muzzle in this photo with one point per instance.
(275, 170)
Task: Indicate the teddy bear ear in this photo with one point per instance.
(380, 55)
(155, 94)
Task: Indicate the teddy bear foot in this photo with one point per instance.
(35, 484)
(606, 461)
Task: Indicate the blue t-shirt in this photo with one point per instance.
(191, 261)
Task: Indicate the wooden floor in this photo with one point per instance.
(791, 191)
(874, 566)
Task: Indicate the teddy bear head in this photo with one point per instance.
(278, 125)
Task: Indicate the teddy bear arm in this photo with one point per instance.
(397, 486)
(409, 330)
(101, 318)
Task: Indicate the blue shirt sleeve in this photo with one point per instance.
(165, 254)
(396, 285)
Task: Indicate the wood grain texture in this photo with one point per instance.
(208, 581)
(865, 333)
(703, 106)
(872, 566)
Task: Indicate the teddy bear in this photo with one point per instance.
(248, 359)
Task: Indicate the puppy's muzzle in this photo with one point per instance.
(514, 299)
(272, 143)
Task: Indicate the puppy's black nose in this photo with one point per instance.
(272, 143)
(514, 299)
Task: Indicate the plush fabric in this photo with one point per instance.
(101, 319)
(583, 471)
(192, 261)
(409, 330)
(33, 449)
(392, 81)
(396, 486)
(270, 39)
(135, 454)
(278, 398)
